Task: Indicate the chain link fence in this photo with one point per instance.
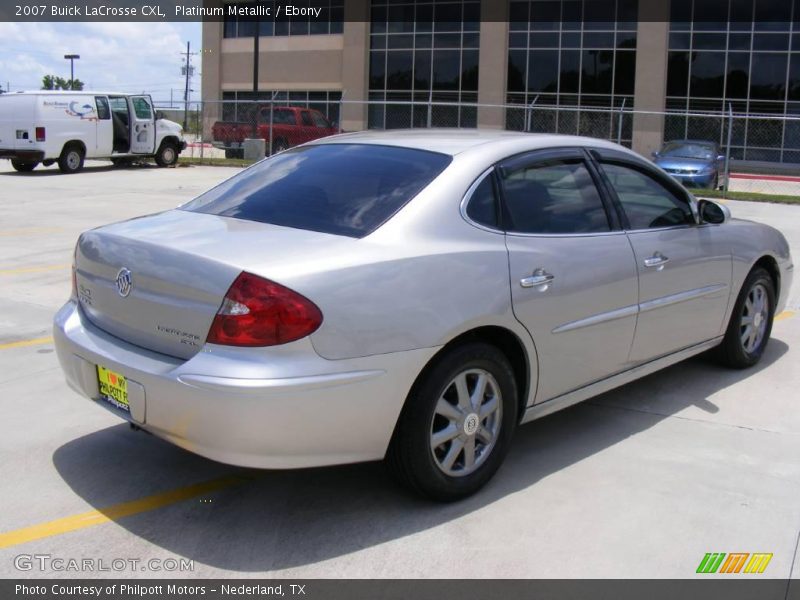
(754, 154)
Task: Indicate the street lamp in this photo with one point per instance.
(72, 58)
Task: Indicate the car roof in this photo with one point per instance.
(457, 141)
(701, 142)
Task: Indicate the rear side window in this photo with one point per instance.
(482, 207)
(320, 121)
(103, 111)
(647, 203)
(283, 117)
(556, 196)
(343, 189)
(306, 119)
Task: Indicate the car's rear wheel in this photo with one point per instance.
(751, 322)
(457, 424)
(23, 166)
(71, 159)
(279, 145)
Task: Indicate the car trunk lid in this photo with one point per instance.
(158, 281)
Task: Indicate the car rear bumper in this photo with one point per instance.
(25, 155)
(286, 408)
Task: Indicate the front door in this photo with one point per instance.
(573, 274)
(143, 125)
(684, 268)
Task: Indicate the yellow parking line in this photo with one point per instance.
(787, 314)
(114, 512)
(33, 269)
(24, 343)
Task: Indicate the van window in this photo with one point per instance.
(103, 110)
(142, 108)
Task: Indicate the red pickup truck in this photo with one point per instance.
(290, 126)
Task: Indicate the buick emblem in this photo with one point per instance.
(124, 282)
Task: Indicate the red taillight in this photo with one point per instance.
(41, 135)
(260, 312)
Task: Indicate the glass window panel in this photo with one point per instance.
(446, 69)
(544, 40)
(422, 69)
(446, 40)
(572, 15)
(543, 71)
(771, 41)
(378, 19)
(469, 70)
(739, 41)
(679, 41)
(626, 39)
(625, 73)
(423, 40)
(400, 41)
(545, 15)
(447, 17)
(401, 19)
(518, 16)
(680, 15)
(709, 41)
(398, 70)
(517, 69)
(768, 76)
(377, 42)
(517, 40)
(570, 71)
(741, 15)
(597, 71)
(471, 40)
(772, 16)
(472, 16)
(377, 70)
(677, 73)
(738, 75)
(708, 74)
(570, 40)
(424, 17)
(627, 14)
(599, 14)
(711, 15)
(598, 40)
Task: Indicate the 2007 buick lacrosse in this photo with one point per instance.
(410, 296)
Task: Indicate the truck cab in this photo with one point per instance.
(68, 127)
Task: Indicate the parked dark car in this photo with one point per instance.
(695, 163)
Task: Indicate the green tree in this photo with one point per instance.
(52, 82)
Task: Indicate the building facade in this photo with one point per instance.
(576, 62)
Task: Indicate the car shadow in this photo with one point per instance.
(285, 519)
(87, 170)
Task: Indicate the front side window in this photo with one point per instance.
(341, 189)
(554, 196)
(647, 202)
(306, 119)
(320, 121)
(142, 108)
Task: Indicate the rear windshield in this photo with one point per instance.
(343, 189)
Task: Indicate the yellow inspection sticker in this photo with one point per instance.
(113, 387)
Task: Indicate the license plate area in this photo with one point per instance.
(113, 388)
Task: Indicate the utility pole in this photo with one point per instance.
(71, 58)
(188, 68)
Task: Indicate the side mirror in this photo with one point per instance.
(721, 157)
(713, 212)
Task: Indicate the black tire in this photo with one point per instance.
(167, 155)
(733, 351)
(279, 145)
(121, 162)
(715, 183)
(410, 457)
(234, 153)
(71, 159)
(22, 166)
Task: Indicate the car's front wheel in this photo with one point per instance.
(751, 322)
(457, 424)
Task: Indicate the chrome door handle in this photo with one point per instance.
(540, 279)
(657, 261)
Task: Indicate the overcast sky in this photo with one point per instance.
(126, 57)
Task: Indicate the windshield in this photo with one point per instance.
(343, 189)
(688, 150)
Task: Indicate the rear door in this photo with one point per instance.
(684, 268)
(105, 129)
(143, 125)
(573, 274)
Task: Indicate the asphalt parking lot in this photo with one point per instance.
(640, 482)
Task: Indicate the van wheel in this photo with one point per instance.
(23, 167)
(457, 424)
(751, 322)
(167, 155)
(71, 159)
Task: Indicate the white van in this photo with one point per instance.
(67, 127)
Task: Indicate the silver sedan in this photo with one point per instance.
(410, 296)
